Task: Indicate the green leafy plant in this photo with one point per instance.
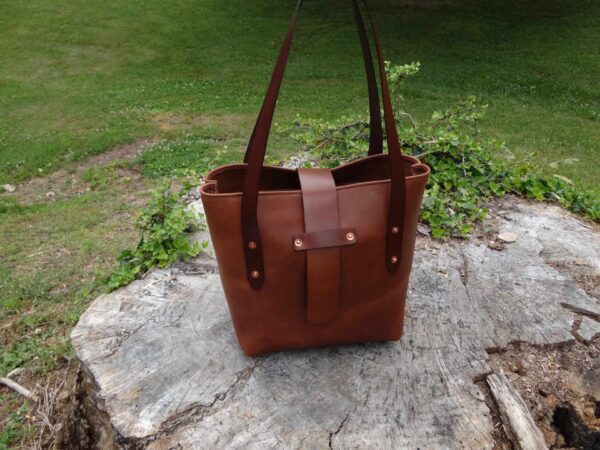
(397, 75)
(467, 168)
(42, 348)
(164, 224)
(555, 189)
(15, 429)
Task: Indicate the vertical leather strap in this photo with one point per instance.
(255, 155)
(323, 265)
(395, 231)
(376, 132)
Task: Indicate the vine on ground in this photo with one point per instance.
(466, 168)
(164, 224)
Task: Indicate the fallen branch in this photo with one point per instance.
(16, 372)
(518, 422)
(413, 124)
(18, 388)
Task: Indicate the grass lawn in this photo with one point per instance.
(78, 78)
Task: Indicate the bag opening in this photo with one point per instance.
(230, 179)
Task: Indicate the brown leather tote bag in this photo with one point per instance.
(317, 257)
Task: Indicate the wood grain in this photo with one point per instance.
(518, 422)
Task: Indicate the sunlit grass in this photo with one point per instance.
(79, 77)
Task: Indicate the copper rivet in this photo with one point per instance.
(255, 274)
(350, 236)
(252, 245)
(395, 230)
(298, 242)
(394, 259)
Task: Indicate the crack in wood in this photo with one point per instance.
(197, 411)
(332, 434)
(582, 311)
(549, 346)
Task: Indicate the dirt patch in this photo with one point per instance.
(64, 417)
(561, 387)
(583, 274)
(127, 152)
(587, 278)
(45, 415)
(220, 127)
(76, 180)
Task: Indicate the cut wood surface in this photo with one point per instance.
(518, 422)
(589, 329)
(162, 364)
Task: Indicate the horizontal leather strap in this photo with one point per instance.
(324, 239)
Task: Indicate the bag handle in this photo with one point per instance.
(256, 152)
(376, 132)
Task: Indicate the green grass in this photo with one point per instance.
(50, 258)
(15, 427)
(178, 156)
(79, 77)
(53, 256)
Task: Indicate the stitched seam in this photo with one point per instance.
(299, 192)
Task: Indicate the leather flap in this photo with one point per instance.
(323, 265)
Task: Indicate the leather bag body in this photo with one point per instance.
(317, 257)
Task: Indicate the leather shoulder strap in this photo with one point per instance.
(376, 131)
(256, 153)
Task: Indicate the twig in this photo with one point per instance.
(449, 113)
(46, 408)
(410, 119)
(43, 412)
(350, 125)
(584, 225)
(420, 155)
(319, 146)
(18, 388)
(16, 372)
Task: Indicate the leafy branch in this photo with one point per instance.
(467, 167)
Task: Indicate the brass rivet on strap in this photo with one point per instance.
(395, 230)
(255, 274)
(298, 242)
(394, 259)
(252, 245)
(350, 236)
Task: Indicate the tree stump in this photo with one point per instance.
(162, 366)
